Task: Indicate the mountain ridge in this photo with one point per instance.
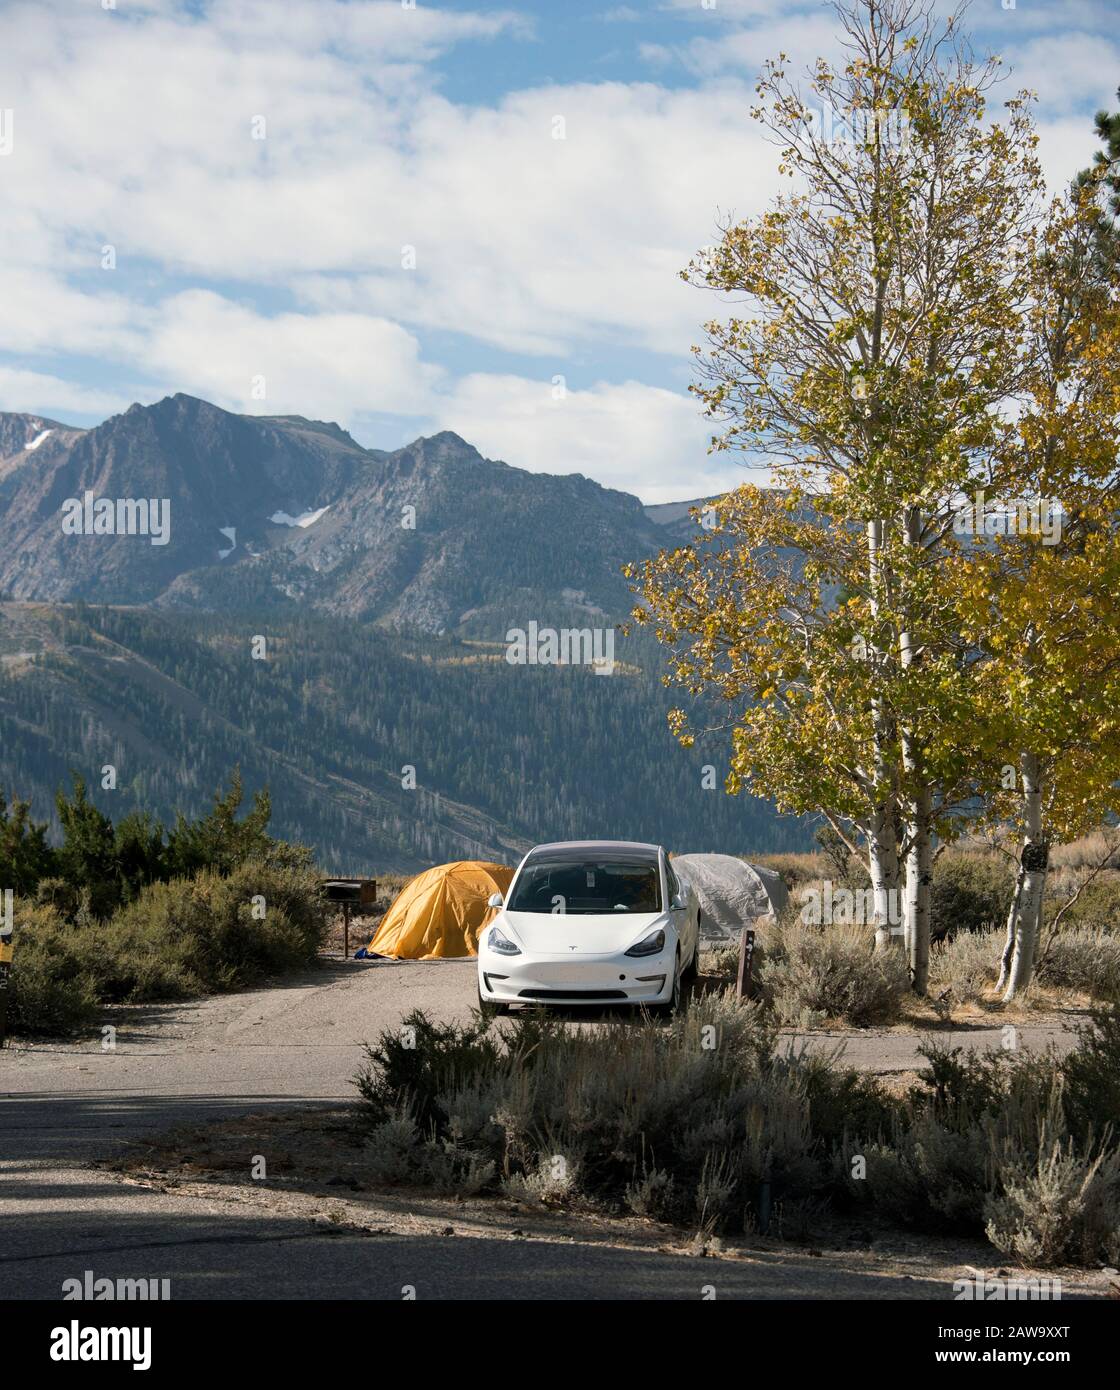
(279, 511)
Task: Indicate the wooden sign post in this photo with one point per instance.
(746, 952)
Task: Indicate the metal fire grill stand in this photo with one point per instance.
(351, 894)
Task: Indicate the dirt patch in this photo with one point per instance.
(309, 1164)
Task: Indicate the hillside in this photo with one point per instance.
(333, 719)
(384, 584)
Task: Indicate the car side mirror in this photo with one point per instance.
(677, 903)
(495, 900)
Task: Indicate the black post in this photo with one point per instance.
(746, 951)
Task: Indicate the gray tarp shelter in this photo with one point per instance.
(733, 894)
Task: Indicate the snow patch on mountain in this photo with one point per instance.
(34, 443)
(304, 519)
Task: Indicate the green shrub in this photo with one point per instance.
(208, 933)
(991, 1142)
(1091, 1073)
(57, 893)
(53, 990)
(219, 841)
(927, 1175)
(25, 856)
(1057, 1203)
(843, 1103)
(105, 865)
(933, 1169)
(960, 1086)
(809, 974)
(417, 1064)
(721, 963)
(970, 893)
(599, 1116)
(686, 1123)
(395, 1152)
(175, 939)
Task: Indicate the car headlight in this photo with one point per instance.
(649, 945)
(502, 944)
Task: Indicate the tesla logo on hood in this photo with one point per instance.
(572, 948)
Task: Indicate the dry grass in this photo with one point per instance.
(1083, 960)
(1084, 853)
(1080, 967)
(796, 869)
(966, 964)
(813, 975)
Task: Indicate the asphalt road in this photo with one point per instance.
(64, 1106)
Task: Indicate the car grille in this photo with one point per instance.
(572, 994)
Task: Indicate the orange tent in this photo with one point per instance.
(440, 912)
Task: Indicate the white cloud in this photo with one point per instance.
(657, 55)
(640, 438)
(534, 244)
(527, 242)
(553, 249)
(1066, 70)
(802, 37)
(331, 366)
(42, 313)
(734, 10)
(1064, 148)
(39, 393)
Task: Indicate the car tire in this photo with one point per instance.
(488, 1008)
(668, 1009)
(692, 969)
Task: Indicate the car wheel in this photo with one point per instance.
(668, 1009)
(692, 969)
(488, 1008)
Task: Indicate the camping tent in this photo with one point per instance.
(733, 894)
(440, 912)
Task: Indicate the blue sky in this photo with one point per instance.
(260, 167)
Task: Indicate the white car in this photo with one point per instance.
(591, 922)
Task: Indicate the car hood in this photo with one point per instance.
(591, 934)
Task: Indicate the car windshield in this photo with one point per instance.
(587, 886)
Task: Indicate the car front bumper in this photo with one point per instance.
(594, 980)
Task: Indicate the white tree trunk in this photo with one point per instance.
(1012, 923)
(1034, 860)
(919, 854)
(882, 841)
(919, 878)
(882, 863)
